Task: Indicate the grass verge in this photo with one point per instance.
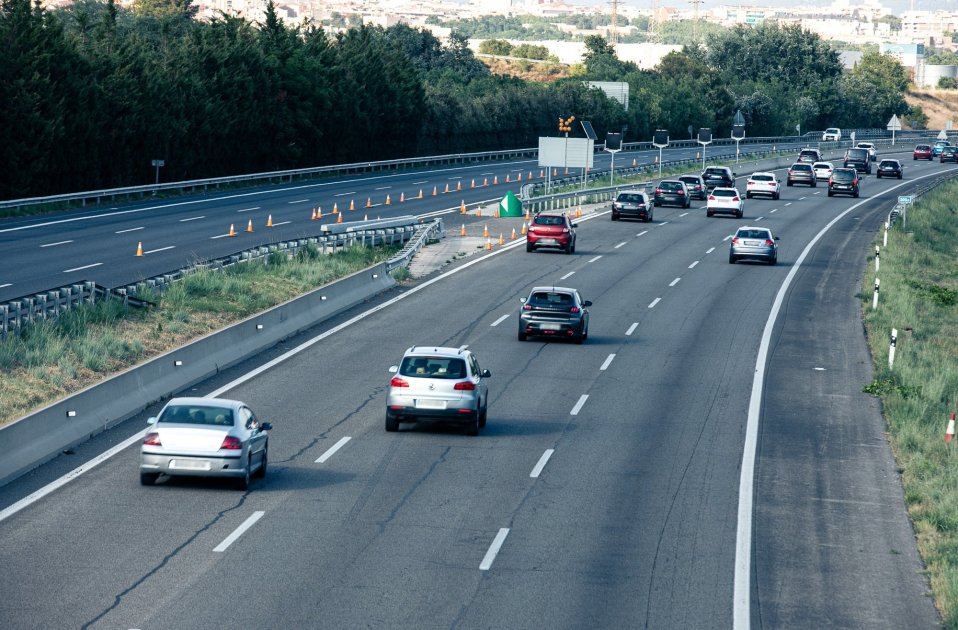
(919, 298)
(55, 358)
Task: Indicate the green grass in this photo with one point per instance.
(919, 297)
(54, 358)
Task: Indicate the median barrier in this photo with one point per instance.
(40, 436)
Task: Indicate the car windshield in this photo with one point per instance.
(549, 220)
(753, 234)
(831, 130)
(718, 192)
(762, 178)
(196, 414)
(631, 197)
(433, 367)
(551, 299)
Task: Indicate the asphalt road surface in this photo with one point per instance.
(604, 491)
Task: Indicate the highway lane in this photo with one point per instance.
(100, 245)
(631, 521)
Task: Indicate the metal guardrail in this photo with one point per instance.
(423, 234)
(901, 210)
(45, 305)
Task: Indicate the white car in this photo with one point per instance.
(832, 134)
(823, 170)
(763, 183)
(872, 150)
(723, 200)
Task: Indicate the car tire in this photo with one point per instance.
(879, 175)
(648, 217)
(731, 259)
(243, 482)
(899, 176)
(573, 246)
(814, 184)
(148, 479)
(521, 336)
(830, 193)
(529, 247)
(568, 248)
(748, 195)
(483, 416)
(656, 204)
(855, 194)
(614, 218)
(392, 423)
(773, 260)
(472, 429)
(788, 183)
(688, 203)
(261, 472)
(709, 213)
(775, 196)
(740, 214)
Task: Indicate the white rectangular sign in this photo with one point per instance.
(566, 152)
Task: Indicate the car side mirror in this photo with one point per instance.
(151, 420)
(265, 426)
(485, 374)
(777, 238)
(393, 369)
(587, 303)
(734, 174)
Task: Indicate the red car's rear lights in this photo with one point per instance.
(465, 386)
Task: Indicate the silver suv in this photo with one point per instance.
(434, 383)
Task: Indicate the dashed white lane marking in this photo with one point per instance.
(773, 210)
(351, 192)
(710, 250)
(500, 320)
(383, 188)
(420, 183)
(494, 548)
(802, 198)
(728, 237)
(642, 232)
(684, 214)
(304, 200)
(620, 245)
(578, 406)
(57, 243)
(654, 302)
(4, 286)
(82, 268)
(159, 249)
(567, 275)
(817, 193)
(759, 219)
(788, 204)
(332, 450)
(192, 219)
(607, 362)
(541, 463)
(674, 282)
(213, 238)
(631, 329)
(131, 230)
(693, 264)
(281, 223)
(239, 531)
(662, 223)
(248, 209)
(596, 258)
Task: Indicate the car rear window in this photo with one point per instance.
(548, 220)
(762, 178)
(718, 192)
(888, 163)
(753, 234)
(551, 298)
(715, 171)
(433, 367)
(857, 154)
(922, 147)
(690, 180)
(670, 186)
(843, 175)
(187, 414)
(631, 197)
(801, 167)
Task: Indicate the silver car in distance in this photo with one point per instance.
(205, 437)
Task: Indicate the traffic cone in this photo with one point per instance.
(249, 227)
(313, 217)
(507, 178)
(566, 171)
(319, 212)
(513, 237)
(485, 181)
(634, 163)
(365, 217)
(950, 432)
(698, 155)
(232, 231)
(458, 185)
(462, 207)
(656, 160)
(446, 189)
(478, 211)
(462, 230)
(488, 245)
(523, 232)
(501, 240)
(139, 248)
(339, 218)
(369, 202)
(527, 214)
(435, 191)
(542, 173)
(519, 177)
(335, 208)
(420, 193)
(497, 212)
(555, 172)
(387, 200)
(269, 221)
(495, 180)
(352, 204)
(485, 231)
(473, 184)
(402, 197)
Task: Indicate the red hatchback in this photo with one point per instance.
(551, 229)
(922, 152)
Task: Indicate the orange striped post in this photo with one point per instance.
(513, 237)
(447, 189)
(485, 181)
(473, 184)
(501, 240)
(523, 232)
(313, 216)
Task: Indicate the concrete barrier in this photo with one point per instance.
(40, 436)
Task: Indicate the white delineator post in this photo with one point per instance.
(950, 431)
(885, 239)
(877, 258)
(891, 348)
(875, 297)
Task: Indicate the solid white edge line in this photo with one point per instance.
(239, 531)
(500, 320)
(578, 406)
(631, 329)
(494, 549)
(192, 219)
(537, 470)
(55, 244)
(76, 472)
(654, 302)
(332, 450)
(130, 230)
(742, 590)
(607, 362)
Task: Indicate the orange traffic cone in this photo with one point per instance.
(519, 177)
(387, 200)
(485, 231)
(369, 202)
(488, 244)
(249, 227)
(269, 221)
(339, 218)
(435, 191)
(485, 181)
(232, 231)
(527, 214)
(139, 248)
(497, 212)
(447, 188)
(335, 208)
(420, 193)
(462, 207)
(365, 217)
(313, 217)
(507, 179)
(352, 204)
(319, 212)
(950, 431)
(501, 240)
(402, 197)
(462, 230)
(542, 173)
(513, 237)
(495, 180)
(634, 163)
(459, 185)
(566, 171)
(555, 172)
(478, 211)
(473, 184)
(523, 232)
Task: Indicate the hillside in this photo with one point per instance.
(939, 105)
(538, 71)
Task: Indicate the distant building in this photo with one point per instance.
(909, 55)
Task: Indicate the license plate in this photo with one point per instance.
(753, 243)
(427, 403)
(551, 327)
(547, 241)
(189, 464)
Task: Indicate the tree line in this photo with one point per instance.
(92, 93)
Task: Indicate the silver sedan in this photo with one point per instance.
(209, 437)
(753, 243)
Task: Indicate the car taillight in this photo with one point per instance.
(398, 382)
(574, 309)
(735, 241)
(658, 191)
(735, 198)
(711, 197)
(465, 386)
(527, 307)
(532, 228)
(769, 242)
(152, 439)
(680, 192)
(231, 443)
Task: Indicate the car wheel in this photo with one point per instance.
(261, 473)
(148, 479)
(568, 248)
(529, 247)
(899, 176)
(879, 175)
(830, 193)
(814, 184)
(573, 246)
(855, 194)
(614, 218)
(522, 336)
(688, 203)
(243, 482)
(740, 214)
(788, 183)
(648, 217)
(392, 423)
(483, 415)
(731, 259)
(709, 213)
(473, 427)
(748, 195)
(656, 204)
(775, 196)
